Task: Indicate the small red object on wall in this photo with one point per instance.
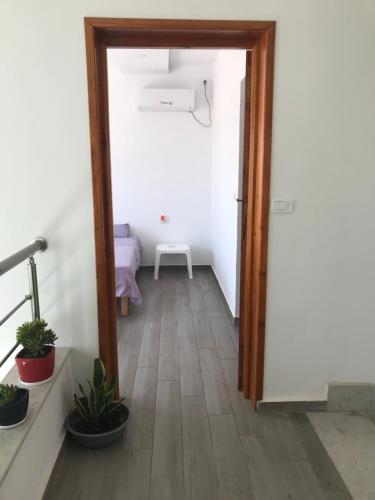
(163, 218)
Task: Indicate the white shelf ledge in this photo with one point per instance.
(13, 441)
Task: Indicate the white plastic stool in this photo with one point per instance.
(172, 248)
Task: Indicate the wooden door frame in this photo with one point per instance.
(258, 37)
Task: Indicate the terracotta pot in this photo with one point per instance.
(36, 370)
(15, 413)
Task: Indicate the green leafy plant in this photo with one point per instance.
(35, 336)
(96, 406)
(8, 394)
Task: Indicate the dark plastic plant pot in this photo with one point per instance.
(15, 413)
(99, 440)
(36, 370)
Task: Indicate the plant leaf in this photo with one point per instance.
(83, 392)
(81, 409)
(92, 400)
(99, 373)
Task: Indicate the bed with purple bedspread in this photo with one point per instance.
(127, 262)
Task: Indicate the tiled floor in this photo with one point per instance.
(192, 435)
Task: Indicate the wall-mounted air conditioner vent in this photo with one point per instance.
(166, 100)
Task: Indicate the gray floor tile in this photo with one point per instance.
(329, 478)
(213, 382)
(224, 343)
(199, 466)
(140, 430)
(247, 420)
(127, 370)
(212, 305)
(232, 471)
(190, 371)
(168, 356)
(149, 352)
(188, 448)
(205, 339)
(167, 479)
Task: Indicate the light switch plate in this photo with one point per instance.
(282, 205)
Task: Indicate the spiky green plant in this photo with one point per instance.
(8, 394)
(35, 336)
(99, 403)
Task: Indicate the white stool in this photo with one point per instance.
(172, 248)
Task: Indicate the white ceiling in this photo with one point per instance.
(159, 60)
(191, 57)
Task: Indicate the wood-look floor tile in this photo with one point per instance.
(247, 420)
(154, 305)
(318, 456)
(127, 370)
(190, 371)
(185, 324)
(212, 304)
(205, 339)
(164, 453)
(224, 343)
(167, 282)
(140, 430)
(61, 485)
(266, 472)
(130, 341)
(167, 480)
(196, 297)
(149, 352)
(302, 481)
(89, 472)
(168, 356)
(213, 381)
(182, 292)
(206, 280)
(284, 436)
(231, 466)
(131, 475)
(199, 465)
(169, 313)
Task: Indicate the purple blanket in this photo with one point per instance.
(127, 260)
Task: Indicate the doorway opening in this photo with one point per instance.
(257, 39)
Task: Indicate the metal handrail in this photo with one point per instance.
(10, 313)
(38, 245)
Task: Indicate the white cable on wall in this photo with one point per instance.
(206, 125)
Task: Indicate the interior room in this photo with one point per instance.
(176, 177)
(176, 135)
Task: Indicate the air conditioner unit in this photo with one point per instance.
(166, 100)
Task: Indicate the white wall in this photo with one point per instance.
(229, 70)
(320, 321)
(161, 163)
(45, 186)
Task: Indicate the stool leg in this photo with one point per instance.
(190, 267)
(157, 262)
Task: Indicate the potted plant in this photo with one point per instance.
(36, 361)
(14, 402)
(98, 420)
